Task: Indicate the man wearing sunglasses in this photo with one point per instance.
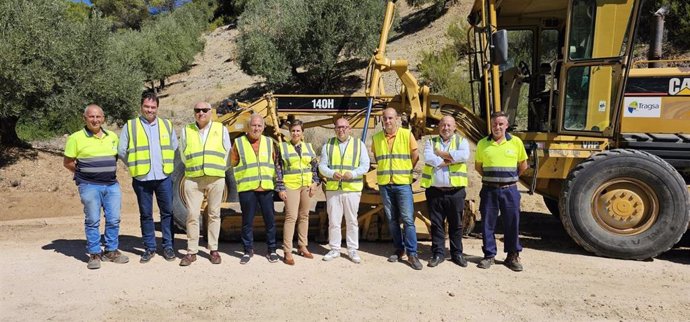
(147, 146)
(204, 147)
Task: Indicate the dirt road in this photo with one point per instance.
(45, 278)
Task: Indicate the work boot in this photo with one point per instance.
(486, 263)
(147, 255)
(436, 260)
(188, 259)
(414, 262)
(513, 262)
(460, 260)
(94, 261)
(169, 254)
(115, 256)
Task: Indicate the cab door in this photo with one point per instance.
(597, 47)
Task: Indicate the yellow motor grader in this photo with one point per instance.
(608, 140)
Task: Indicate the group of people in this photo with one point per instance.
(147, 145)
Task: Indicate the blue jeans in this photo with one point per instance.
(507, 202)
(399, 206)
(109, 198)
(164, 198)
(249, 200)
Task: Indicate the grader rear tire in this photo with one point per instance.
(625, 204)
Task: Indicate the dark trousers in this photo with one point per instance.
(446, 204)
(507, 201)
(249, 200)
(163, 189)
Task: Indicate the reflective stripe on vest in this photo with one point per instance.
(394, 165)
(457, 172)
(207, 159)
(139, 153)
(252, 172)
(342, 162)
(500, 160)
(296, 168)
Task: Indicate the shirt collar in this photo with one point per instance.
(144, 120)
(508, 137)
(90, 134)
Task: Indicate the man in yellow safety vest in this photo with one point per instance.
(344, 161)
(147, 146)
(396, 154)
(204, 147)
(253, 160)
(445, 178)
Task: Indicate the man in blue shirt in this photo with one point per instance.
(147, 146)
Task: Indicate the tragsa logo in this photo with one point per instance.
(632, 107)
(642, 107)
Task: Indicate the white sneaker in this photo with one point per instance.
(354, 257)
(333, 254)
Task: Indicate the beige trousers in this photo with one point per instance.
(194, 190)
(297, 208)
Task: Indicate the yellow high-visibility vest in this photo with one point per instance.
(394, 165)
(296, 168)
(456, 171)
(205, 159)
(344, 161)
(252, 171)
(139, 153)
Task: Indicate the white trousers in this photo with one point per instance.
(339, 203)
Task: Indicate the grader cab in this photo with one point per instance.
(608, 140)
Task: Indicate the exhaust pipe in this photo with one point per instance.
(655, 48)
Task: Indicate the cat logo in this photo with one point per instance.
(677, 86)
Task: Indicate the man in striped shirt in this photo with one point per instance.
(91, 154)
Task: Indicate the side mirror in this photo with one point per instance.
(499, 47)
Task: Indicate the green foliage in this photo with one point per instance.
(52, 66)
(167, 44)
(78, 11)
(302, 42)
(123, 13)
(443, 70)
(677, 23)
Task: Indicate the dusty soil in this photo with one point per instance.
(45, 278)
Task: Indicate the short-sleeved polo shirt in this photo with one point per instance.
(499, 160)
(96, 157)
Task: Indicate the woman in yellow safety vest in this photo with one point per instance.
(296, 182)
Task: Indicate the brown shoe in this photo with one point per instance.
(215, 257)
(115, 256)
(188, 259)
(513, 262)
(287, 259)
(304, 252)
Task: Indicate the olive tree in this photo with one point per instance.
(299, 42)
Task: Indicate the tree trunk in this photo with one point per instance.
(162, 83)
(8, 132)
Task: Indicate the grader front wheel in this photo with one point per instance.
(625, 204)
